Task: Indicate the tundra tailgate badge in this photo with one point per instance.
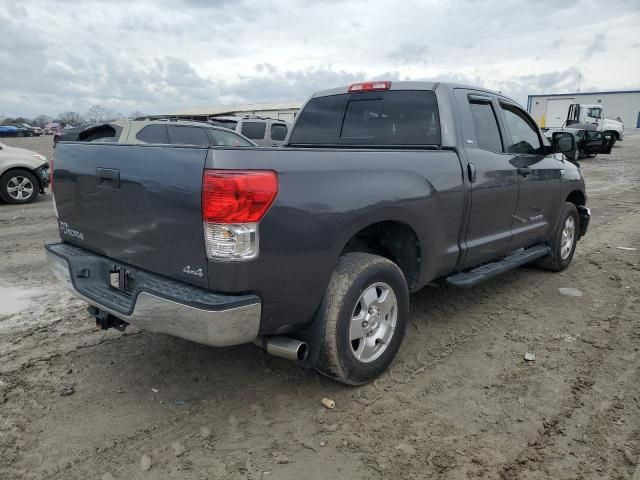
(70, 232)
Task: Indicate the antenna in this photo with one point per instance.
(579, 80)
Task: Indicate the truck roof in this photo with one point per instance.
(413, 85)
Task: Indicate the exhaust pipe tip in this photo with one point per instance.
(285, 347)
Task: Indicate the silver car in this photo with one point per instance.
(23, 174)
(164, 132)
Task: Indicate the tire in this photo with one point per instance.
(19, 187)
(562, 253)
(362, 280)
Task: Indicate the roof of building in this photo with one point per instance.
(222, 109)
(571, 94)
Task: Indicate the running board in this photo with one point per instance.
(489, 270)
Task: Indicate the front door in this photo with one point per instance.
(539, 177)
(493, 180)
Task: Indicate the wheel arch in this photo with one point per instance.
(392, 239)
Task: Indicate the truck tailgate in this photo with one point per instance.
(136, 204)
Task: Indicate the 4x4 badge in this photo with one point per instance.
(197, 273)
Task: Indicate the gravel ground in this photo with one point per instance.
(459, 402)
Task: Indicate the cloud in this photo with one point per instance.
(163, 55)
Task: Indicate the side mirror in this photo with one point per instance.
(564, 142)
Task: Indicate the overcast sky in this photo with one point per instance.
(160, 55)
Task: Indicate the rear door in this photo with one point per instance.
(136, 204)
(493, 179)
(538, 177)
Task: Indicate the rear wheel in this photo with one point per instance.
(18, 187)
(365, 314)
(563, 240)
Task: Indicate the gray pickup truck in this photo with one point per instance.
(311, 250)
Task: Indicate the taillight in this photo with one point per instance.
(233, 202)
(369, 86)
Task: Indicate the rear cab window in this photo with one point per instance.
(379, 118)
(254, 130)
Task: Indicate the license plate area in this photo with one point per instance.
(122, 279)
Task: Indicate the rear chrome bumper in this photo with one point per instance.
(214, 319)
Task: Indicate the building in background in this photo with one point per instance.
(286, 111)
(551, 110)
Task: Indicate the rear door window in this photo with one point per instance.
(278, 132)
(188, 136)
(153, 134)
(254, 130)
(396, 117)
(486, 126)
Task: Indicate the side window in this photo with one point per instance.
(153, 134)
(486, 126)
(228, 139)
(188, 136)
(523, 135)
(254, 130)
(278, 132)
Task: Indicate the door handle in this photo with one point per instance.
(524, 171)
(108, 177)
(471, 172)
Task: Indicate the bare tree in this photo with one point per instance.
(71, 118)
(100, 114)
(136, 114)
(41, 120)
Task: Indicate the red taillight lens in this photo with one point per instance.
(370, 86)
(237, 196)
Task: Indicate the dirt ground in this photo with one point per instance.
(459, 402)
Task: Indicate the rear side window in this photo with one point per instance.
(228, 139)
(486, 126)
(254, 130)
(278, 132)
(387, 118)
(153, 134)
(188, 136)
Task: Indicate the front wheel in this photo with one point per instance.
(365, 315)
(563, 240)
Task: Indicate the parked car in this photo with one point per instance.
(9, 131)
(264, 131)
(311, 250)
(588, 141)
(23, 174)
(165, 132)
(33, 131)
(51, 128)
